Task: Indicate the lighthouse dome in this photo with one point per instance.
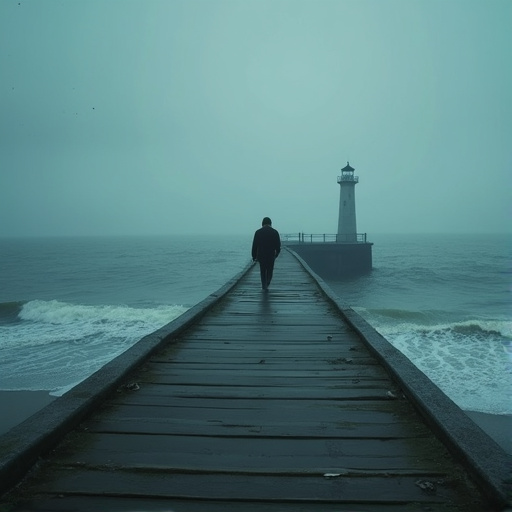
(347, 168)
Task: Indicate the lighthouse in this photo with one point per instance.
(345, 254)
(347, 231)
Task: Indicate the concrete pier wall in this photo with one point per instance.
(332, 260)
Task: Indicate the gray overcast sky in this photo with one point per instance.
(203, 116)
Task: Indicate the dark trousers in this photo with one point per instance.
(266, 271)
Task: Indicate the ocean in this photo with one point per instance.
(445, 302)
(69, 305)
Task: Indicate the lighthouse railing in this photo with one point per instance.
(303, 238)
(348, 177)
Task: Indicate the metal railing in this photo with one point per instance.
(302, 238)
(348, 177)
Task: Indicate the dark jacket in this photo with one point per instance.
(266, 243)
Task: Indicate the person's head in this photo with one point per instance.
(266, 222)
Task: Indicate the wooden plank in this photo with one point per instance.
(350, 414)
(271, 393)
(222, 428)
(193, 419)
(208, 486)
(282, 365)
(397, 410)
(308, 348)
(253, 454)
(92, 503)
(265, 341)
(256, 356)
(267, 333)
(272, 367)
(340, 378)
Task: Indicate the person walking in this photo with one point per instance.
(266, 246)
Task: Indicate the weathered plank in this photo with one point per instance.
(262, 455)
(95, 503)
(245, 487)
(236, 423)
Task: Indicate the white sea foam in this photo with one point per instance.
(471, 360)
(57, 345)
(61, 313)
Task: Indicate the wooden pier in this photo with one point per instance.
(260, 401)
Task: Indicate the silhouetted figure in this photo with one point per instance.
(266, 247)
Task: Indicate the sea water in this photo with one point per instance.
(69, 305)
(445, 302)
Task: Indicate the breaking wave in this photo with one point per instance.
(470, 359)
(52, 345)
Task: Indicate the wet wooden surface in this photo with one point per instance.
(270, 402)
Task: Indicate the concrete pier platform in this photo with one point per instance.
(283, 400)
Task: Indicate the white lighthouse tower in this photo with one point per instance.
(347, 231)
